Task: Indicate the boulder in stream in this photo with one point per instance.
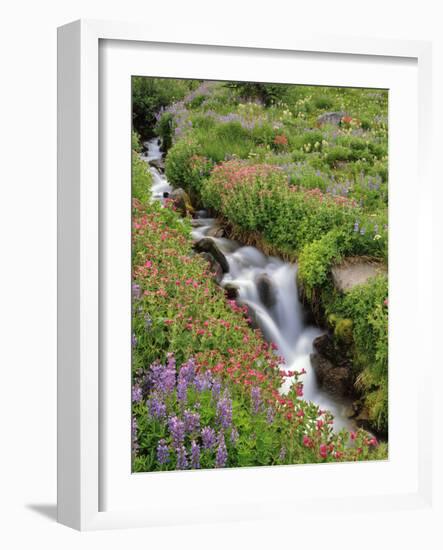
(231, 291)
(336, 381)
(202, 214)
(266, 290)
(182, 201)
(216, 231)
(214, 266)
(158, 164)
(207, 244)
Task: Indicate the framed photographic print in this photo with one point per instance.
(234, 225)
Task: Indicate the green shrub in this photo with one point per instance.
(186, 167)
(366, 306)
(323, 102)
(196, 101)
(164, 129)
(336, 154)
(308, 142)
(317, 257)
(141, 179)
(343, 330)
(135, 142)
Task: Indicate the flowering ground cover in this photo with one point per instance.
(205, 383)
(300, 172)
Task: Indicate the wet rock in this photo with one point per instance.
(231, 291)
(202, 214)
(197, 222)
(209, 245)
(182, 201)
(362, 417)
(355, 271)
(364, 420)
(333, 118)
(337, 352)
(334, 380)
(214, 266)
(157, 164)
(266, 290)
(216, 231)
(324, 345)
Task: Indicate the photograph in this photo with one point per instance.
(259, 274)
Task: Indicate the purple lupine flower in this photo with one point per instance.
(356, 227)
(187, 371)
(163, 376)
(182, 461)
(136, 291)
(134, 340)
(208, 437)
(282, 454)
(202, 381)
(177, 429)
(170, 360)
(256, 399)
(137, 393)
(191, 420)
(234, 435)
(216, 388)
(168, 378)
(222, 454)
(134, 440)
(182, 389)
(195, 455)
(162, 452)
(270, 414)
(156, 407)
(224, 412)
(362, 231)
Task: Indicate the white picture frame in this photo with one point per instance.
(81, 395)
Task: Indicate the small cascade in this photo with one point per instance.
(268, 286)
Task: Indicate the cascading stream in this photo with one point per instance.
(283, 319)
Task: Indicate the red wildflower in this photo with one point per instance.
(281, 139)
(323, 450)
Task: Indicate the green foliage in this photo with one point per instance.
(267, 93)
(316, 258)
(323, 102)
(149, 95)
(225, 140)
(337, 154)
(141, 179)
(181, 318)
(344, 330)
(135, 142)
(327, 201)
(186, 167)
(366, 307)
(164, 128)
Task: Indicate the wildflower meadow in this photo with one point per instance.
(297, 174)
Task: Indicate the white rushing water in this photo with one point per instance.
(282, 319)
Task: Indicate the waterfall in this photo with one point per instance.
(282, 320)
